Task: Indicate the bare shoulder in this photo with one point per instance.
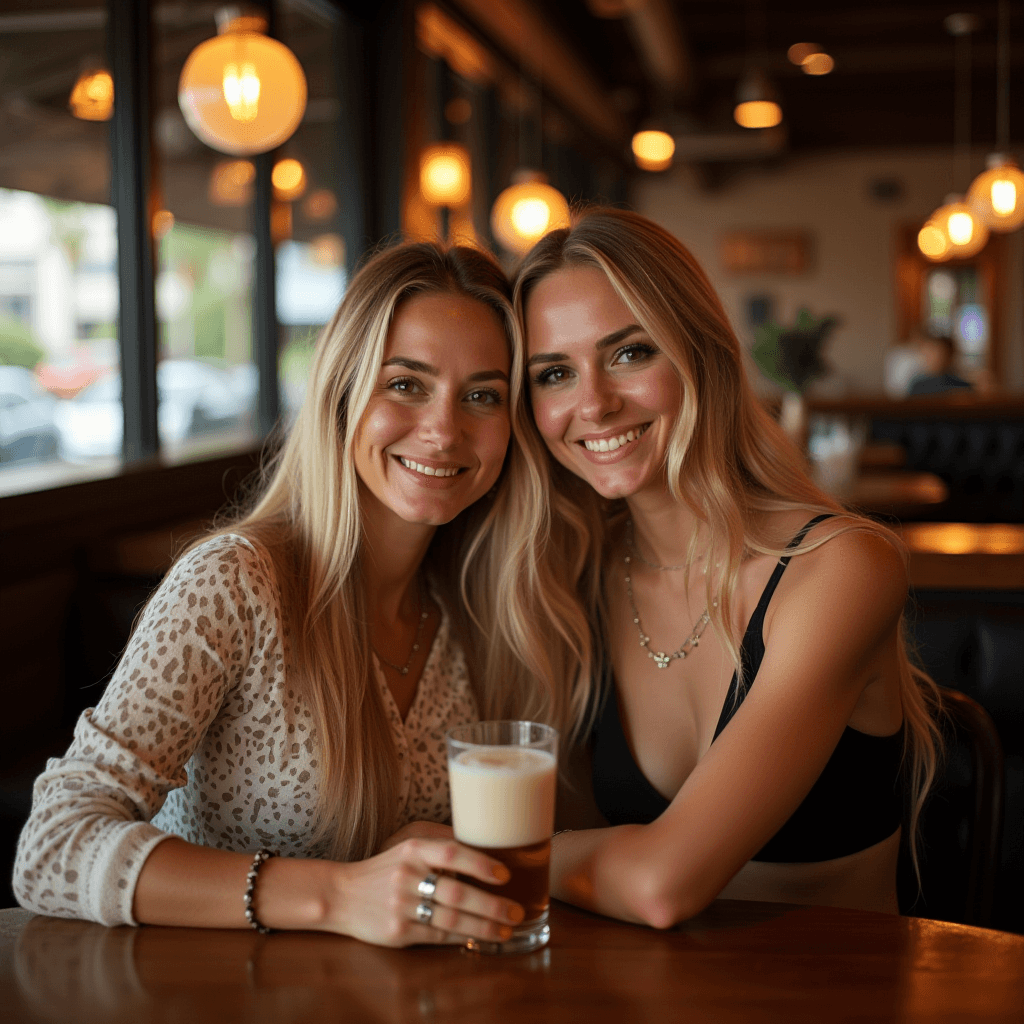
(856, 565)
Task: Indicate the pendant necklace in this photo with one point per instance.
(404, 669)
(660, 658)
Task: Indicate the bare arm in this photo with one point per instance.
(831, 630)
(374, 900)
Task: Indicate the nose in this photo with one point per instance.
(440, 425)
(598, 398)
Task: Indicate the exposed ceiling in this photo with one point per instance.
(893, 82)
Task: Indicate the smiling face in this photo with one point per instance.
(605, 398)
(433, 437)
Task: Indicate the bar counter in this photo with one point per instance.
(738, 961)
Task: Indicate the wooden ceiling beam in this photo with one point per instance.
(519, 28)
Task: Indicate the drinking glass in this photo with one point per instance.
(502, 777)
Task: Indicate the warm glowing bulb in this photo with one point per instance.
(241, 87)
(1004, 197)
(817, 64)
(288, 178)
(932, 242)
(445, 174)
(92, 98)
(960, 227)
(758, 114)
(965, 233)
(799, 52)
(530, 217)
(526, 211)
(231, 183)
(995, 194)
(241, 92)
(653, 150)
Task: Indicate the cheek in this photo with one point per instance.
(661, 392)
(382, 424)
(551, 414)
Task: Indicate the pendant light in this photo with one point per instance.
(997, 194)
(529, 208)
(526, 211)
(445, 178)
(964, 232)
(757, 105)
(92, 96)
(653, 149)
(242, 93)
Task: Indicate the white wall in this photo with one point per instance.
(852, 272)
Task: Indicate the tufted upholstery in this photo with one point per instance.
(981, 461)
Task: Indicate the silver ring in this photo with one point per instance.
(427, 887)
(424, 912)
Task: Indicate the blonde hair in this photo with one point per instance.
(307, 518)
(728, 461)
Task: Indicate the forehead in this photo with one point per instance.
(574, 303)
(448, 331)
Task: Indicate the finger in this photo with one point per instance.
(470, 900)
(449, 855)
(452, 921)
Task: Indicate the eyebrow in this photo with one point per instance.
(606, 342)
(432, 371)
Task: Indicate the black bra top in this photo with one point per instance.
(857, 800)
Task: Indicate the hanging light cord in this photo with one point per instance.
(962, 127)
(1003, 77)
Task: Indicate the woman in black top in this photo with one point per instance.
(756, 715)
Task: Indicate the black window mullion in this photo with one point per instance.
(131, 167)
(265, 330)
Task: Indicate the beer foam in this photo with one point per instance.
(502, 796)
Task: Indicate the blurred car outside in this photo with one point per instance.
(195, 398)
(28, 432)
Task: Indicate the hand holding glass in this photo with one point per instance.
(502, 777)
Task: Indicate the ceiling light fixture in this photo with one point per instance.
(756, 102)
(241, 92)
(526, 211)
(997, 194)
(92, 96)
(445, 178)
(799, 52)
(289, 179)
(817, 64)
(653, 150)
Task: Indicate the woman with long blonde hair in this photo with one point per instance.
(757, 722)
(288, 687)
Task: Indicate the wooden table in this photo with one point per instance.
(738, 961)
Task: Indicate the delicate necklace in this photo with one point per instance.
(404, 669)
(660, 658)
(631, 541)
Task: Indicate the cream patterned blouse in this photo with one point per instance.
(199, 735)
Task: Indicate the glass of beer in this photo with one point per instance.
(502, 777)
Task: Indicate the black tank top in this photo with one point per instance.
(857, 800)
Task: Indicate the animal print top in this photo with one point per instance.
(199, 735)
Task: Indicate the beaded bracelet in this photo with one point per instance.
(262, 856)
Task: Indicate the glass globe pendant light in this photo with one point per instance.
(445, 177)
(756, 102)
(965, 232)
(526, 211)
(242, 93)
(933, 243)
(997, 194)
(653, 150)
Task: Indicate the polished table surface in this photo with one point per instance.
(737, 961)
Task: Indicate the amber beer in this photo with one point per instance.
(502, 777)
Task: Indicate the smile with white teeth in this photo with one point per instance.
(428, 470)
(611, 444)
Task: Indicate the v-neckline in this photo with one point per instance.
(417, 697)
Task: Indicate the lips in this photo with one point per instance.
(424, 470)
(614, 443)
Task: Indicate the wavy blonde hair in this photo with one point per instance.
(308, 519)
(727, 460)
